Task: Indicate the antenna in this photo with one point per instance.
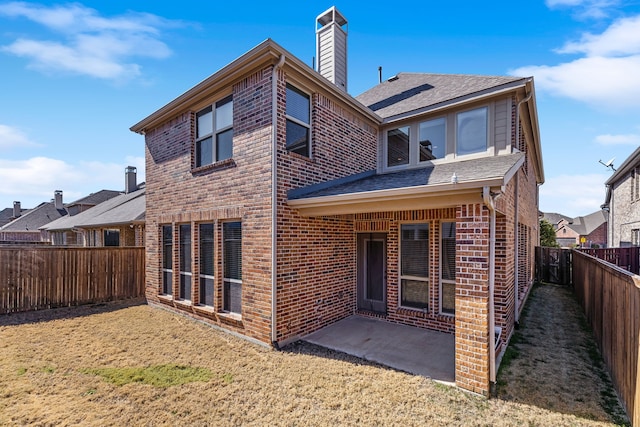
(608, 164)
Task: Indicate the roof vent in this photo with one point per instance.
(331, 47)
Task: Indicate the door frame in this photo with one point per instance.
(364, 303)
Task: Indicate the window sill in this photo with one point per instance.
(221, 165)
(412, 310)
(205, 309)
(300, 156)
(183, 303)
(231, 318)
(165, 298)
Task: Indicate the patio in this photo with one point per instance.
(406, 348)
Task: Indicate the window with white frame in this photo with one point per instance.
(232, 266)
(635, 237)
(471, 131)
(185, 261)
(214, 133)
(207, 263)
(298, 112)
(414, 265)
(167, 260)
(448, 268)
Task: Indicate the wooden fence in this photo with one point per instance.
(610, 298)
(34, 278)
(627, 258)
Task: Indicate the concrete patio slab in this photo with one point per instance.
(406, 348)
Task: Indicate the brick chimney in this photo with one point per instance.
(17, 209)
(130, 179)
(57, 200)
(331, 47)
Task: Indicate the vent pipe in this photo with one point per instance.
(57, 200)
(331, 47)
(130, 179)
(380, 74)
(17, 209)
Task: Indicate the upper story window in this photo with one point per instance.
(298, 121)
(452, 135)
(432, 139)
(471, 131)
(635, 184)
(214, 132)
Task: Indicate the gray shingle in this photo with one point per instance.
(414, 91)
(479, 169)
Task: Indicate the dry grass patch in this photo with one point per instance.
(553, 362)
(44, 358)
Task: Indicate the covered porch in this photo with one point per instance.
(409, 349)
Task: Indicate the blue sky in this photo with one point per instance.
(76, 76)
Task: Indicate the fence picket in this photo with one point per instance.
(40, 277)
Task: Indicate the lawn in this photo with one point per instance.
(128, 364)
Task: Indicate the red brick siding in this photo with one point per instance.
(237, 189)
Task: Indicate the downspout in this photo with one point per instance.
(274, 199)
(489, 201)
(516, 308)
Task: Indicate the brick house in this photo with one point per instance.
(592, 228)
(622, 203)
(118, 220)
(278, 204)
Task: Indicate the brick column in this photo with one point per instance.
(472, 298)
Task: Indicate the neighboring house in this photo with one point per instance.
(583, 231)
(622, 203)
(26, 228)
(9, 214)
(118, 221)
(555, 218)
(71, 236)
(278, 204)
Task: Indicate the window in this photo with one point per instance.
(448, 268)
(185, 261)
(414, 265)
(111, 237)
(432, 139)
(635, 237)
(471, 131)
(167, 260)
(416, 143)
(214, 125)
(207, 263)
(635, 184)
(398, 146)
(232, 266)
(298, 121)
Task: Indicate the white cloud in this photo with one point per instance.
(594, 9)
(605, 76)
(627, 139)
(573, 195)
(13, 137)
(620, 39)
(34, 180)
(89, 44)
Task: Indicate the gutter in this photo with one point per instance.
(274, 199)
(516, 316)
(489, 201)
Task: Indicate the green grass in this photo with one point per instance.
(158, 376)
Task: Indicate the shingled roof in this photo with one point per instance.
(35, 218)
(122, 209)
(415, 92)
(467, 171)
